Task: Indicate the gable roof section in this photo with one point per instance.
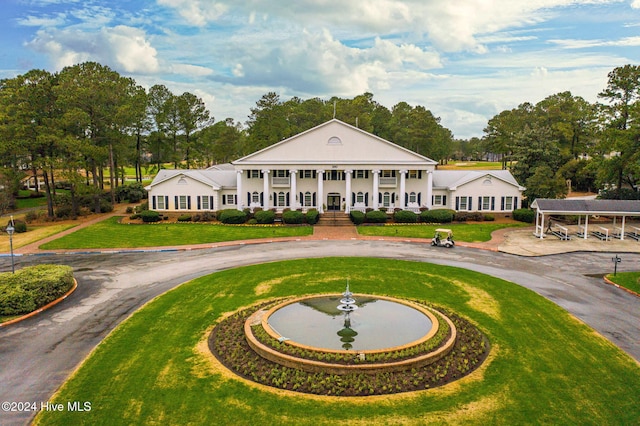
(599, 207)
(334, 142)
(215, 178)
(452, 179)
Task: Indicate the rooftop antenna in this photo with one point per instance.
(334, 109)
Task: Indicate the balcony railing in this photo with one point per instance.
(388, 181)
(280, 181)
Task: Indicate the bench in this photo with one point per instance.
(560, 231)
(635, 233)
(602, 233)
(617, 232)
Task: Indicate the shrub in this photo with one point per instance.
(134, 216)
(357, 217)
(19, 226)
(405, 216)
(32, 287)
(461, 216)
(376, 216)
(64, 211)
(184, 218)
(524, 215)
(142, 207)
(207, 216)
(232, 217)
(264, 216)
(150, 216)
(489, 217)
(132, 192)
(437, 216)
(31, 216)
(293, 217)
(312, 216)
(252, 222)
(129, 210)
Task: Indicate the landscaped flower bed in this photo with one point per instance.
(227, 342)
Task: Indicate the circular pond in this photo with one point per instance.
(377, 324)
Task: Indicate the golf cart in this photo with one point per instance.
(443, 238)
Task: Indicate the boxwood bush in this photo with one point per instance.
(264, 216)
(33, 287)
(185, 218)
(357, 217)
(312, 216)
(405, 216)
(232, 217)
(293, 217)
(524, 215)
(149, 216)
(437, 216)
(376, 216)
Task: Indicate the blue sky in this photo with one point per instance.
(465, 60)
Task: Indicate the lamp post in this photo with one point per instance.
(10, 230)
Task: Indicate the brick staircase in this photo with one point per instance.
(337, 219)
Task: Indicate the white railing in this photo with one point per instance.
(388, 181)
(280, 181)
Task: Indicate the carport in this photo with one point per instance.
(610, 208)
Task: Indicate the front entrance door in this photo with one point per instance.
(333, 202)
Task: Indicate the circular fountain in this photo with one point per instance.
(372, 328)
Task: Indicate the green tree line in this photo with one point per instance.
(85, 124)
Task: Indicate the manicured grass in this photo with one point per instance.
(545, 367)
(33, 234)
(469, 232)
(111, 234)
(629, 280)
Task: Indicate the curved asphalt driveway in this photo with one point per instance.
(38, 354)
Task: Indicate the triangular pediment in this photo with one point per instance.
(335, 142)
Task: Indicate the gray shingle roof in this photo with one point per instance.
(600, 207)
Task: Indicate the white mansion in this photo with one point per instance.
(338, 167)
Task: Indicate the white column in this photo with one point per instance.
(320, 197)
(265, 189)
(293, 198)
(403, 184)
(429, 188)
(347, 197)
(239, 196)
(376, 183)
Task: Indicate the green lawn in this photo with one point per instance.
(545, 367)
(629, 280)
(111, 234)
(469, 232)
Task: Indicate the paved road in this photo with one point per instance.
(37, 355)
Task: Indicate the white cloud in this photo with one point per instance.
(43, 21)
(196, 12)
(584, 44)
(121, 47)
(635, 4)
(318, 61)
(191, 70)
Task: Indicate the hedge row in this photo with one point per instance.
(33, 287)
(524, 215)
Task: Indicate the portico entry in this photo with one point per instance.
(333, 202)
